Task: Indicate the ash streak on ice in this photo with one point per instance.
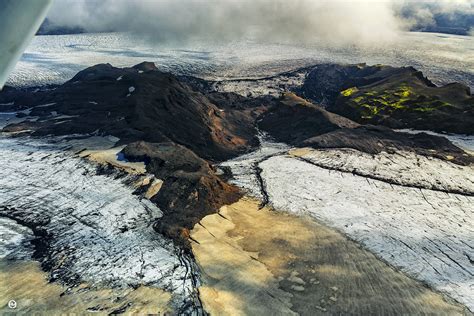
(427, 234)
(96, 231)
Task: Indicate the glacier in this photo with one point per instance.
(417, 225)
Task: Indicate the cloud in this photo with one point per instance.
(356, 22)
(441, 13)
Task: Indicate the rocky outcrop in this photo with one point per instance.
(375, 139)
(138, 103)
(395, 97)
(178, 126)
(324, 82)
(300, 123)
(176, 130)
(190, 190)
(293, 120)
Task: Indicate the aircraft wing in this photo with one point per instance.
(19, 21)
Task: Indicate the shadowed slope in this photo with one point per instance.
(395, 97)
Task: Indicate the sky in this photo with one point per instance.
(345, 22)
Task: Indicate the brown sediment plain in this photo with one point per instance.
(264, 262)
(24, 282)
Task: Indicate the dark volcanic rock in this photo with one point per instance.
(395, 97)
(101, 72)
(139, 103)
(293, 120)
(145, 66)
(16, 99)
(300, 123)
(190, 190)
(375, 139)
(324, 83)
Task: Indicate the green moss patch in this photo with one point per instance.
(349, 92)
(403, 98)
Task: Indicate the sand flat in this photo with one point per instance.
(24, 282)
(296, 265)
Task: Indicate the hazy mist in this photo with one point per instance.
(355, 22)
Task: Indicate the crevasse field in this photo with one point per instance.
(54, 59)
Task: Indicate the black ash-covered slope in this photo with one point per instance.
(293, 120)
(143, 104)
(139, 103)
(300, 123)
(191, 189)
(394, 97)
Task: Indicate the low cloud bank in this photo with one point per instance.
(356, 22)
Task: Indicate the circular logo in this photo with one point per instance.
(12, 304)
